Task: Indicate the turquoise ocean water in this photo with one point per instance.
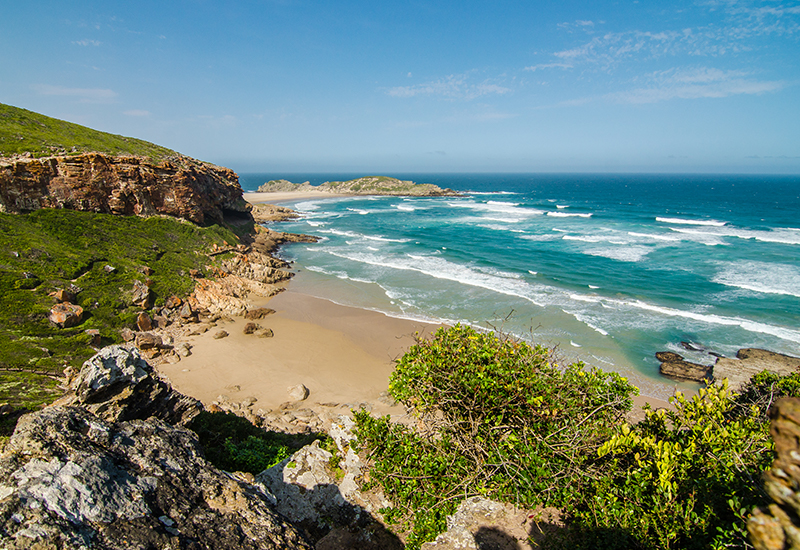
(610, 268)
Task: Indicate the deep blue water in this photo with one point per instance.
(610, 268)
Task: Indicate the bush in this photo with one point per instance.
(500, 418)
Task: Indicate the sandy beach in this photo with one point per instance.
(274, 198)
(343, 355)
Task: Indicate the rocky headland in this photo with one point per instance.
(96, 182)
(370, 185)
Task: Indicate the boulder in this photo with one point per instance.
(258, 313)
(298, 392)
(675, 366)
(143, 322)
(264, 333)
(250, 328)
(70, 479)
(148, 340)
(94, 335)
(66, 315)
(141, 295)
(117, 384)
(220, 334)
(751, 361)
(173, 302)
(63, 295)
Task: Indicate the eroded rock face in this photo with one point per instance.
(73, 480)
(777, 526)
(676, 366)
(182, 187)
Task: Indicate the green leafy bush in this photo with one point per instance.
(499, 417)
(233, 444)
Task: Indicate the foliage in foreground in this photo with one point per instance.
(233, 444)
(498, 418)
(23, 131)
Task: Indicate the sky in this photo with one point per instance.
(419, 86)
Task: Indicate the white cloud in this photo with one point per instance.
(450, 87)
(87, 42)
(696, 83)
(136, 112)
(86, 95)
(541, 66)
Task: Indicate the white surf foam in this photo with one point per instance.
(568, 215)
(623, 254)
(681, 221)
(761, 277)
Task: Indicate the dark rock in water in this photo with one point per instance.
(675, 366)
(103, 469)
(689, 346)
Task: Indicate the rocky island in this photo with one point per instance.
(370, 185)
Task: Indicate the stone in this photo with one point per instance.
(159, 321)
(66, 315)
(64, 295)
(127, 335)
(220, 334)
(146, 270)
(186, 311)
(143, 322)
(173, 302)
(482, 523)
(258, 313)
(675, 366)
(142, 295)
(298, 392)
(195, 273)
(183, 349)
(751, 361)
(264, 333)
(94, 335)
(118, 384)
(250, 328)
(148, 340)
(71, 479)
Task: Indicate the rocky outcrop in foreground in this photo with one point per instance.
(370, 185)
(777, 527)
(71, 477)
(94, 182)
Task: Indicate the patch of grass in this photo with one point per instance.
(23, 131)
(233, 444)
(99, 255)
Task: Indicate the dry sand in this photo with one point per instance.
(343, 355)
(274, 198)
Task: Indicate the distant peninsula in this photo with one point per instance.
(369, 185)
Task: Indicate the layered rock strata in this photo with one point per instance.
(94, 182)
(738, 371)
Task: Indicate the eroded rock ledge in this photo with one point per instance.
(747, 363)
(181, 187)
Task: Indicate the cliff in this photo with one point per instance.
(370, 185)
(180, 186)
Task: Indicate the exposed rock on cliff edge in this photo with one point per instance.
(74, 478)
(181, 187)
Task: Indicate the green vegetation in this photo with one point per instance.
(23, 131)
(501, 419)
(99, 256)
(233, 444)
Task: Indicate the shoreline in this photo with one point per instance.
(342, 354)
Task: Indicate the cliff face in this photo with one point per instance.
(183, 187)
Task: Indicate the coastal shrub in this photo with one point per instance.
(498, 417)
(234, 444)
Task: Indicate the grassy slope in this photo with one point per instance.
(23, 131)
(50, 249)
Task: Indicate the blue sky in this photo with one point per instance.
(519, 86)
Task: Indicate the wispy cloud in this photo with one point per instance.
(87, 42)
(450, 87)
(85, 95)
(541, 66)
(695, 83)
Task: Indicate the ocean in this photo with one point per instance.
(609, 269)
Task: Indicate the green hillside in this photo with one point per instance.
(23, 131)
